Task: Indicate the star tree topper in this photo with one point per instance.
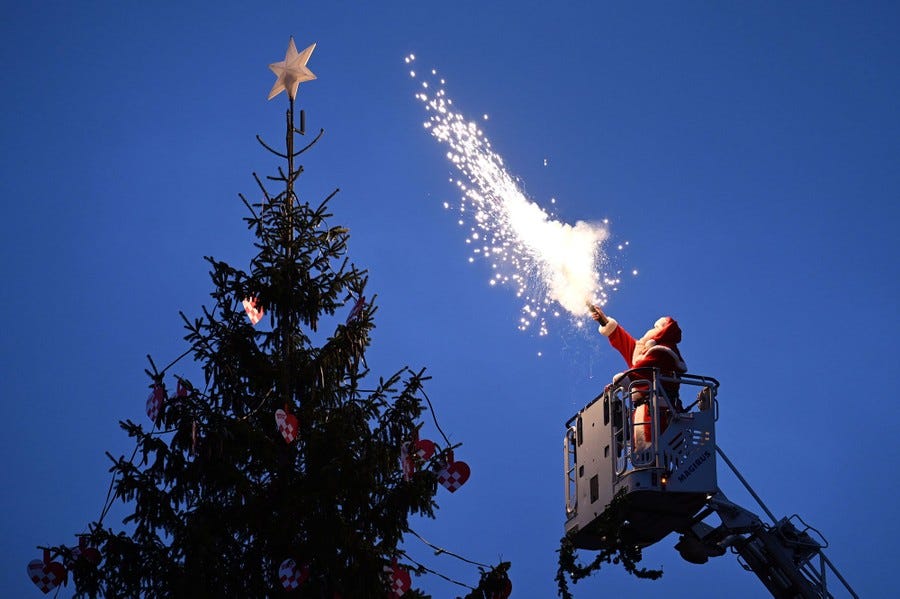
(292, 71)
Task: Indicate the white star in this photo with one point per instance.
(291, 71)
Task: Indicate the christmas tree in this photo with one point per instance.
(289, 466)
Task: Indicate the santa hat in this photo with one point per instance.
(666, 332)
(665, 336)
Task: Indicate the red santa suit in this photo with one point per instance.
(658, 348)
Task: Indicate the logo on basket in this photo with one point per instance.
(686, 472)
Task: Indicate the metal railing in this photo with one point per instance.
(646, 386)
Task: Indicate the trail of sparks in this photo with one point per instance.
(550, 264)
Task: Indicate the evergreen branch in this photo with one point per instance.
(249, 207)
(256, 220)
(328, 198)
(257, 408)
(176, 360)
(270, 148)
(169, 430)
(290, 178)
(110, 499)
(494, 582)
(262, 188)
(310, 144)
(296, 174)
(155, 374)
(281, 176)
(615, 551)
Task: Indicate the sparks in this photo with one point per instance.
(548, 262)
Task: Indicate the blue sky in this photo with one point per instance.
(748, 153)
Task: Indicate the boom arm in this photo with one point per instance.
(785, 557)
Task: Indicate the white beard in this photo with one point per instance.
(643, 345)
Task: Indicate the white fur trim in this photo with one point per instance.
(659, 323)
(607, 329)
(679, 363)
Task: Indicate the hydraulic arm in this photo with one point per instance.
(787, 556)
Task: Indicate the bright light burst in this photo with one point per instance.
(546, 261)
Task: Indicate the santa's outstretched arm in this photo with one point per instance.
(618, 336)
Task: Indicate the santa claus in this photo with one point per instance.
(658, 348)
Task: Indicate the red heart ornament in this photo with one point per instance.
(399, 580)
(46, 576)
(287, 425)
(253, 310)
(503, 593)
(90, 554)
(421, 451)
(454, 474)
(357, 309)
(291, 575)
(155, 402)
(86, 552)
(424, 449)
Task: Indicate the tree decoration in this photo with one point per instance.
(503, 592)
(453, 474)
(494, 583)
(291, 575)
(616, 551)
(414, 453)
(195, 437)
(357, 309)
(424, 449)
(46, 574)
(399, 580)
(254, 311)
(287, 425)
(155, 402)
(407, 461)
(85, 552)
(182, 390)
(292, 71)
